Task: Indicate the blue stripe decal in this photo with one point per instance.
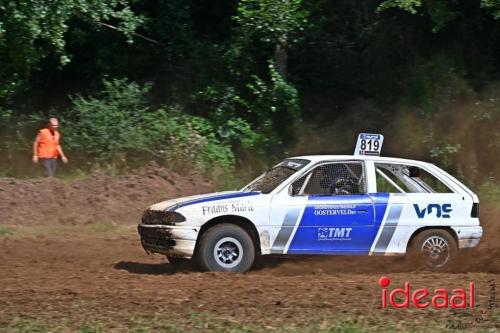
(346, 224)
(213, 198)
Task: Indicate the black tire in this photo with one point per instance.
(226, 248)
(434, 249)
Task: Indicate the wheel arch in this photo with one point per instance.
(422, 229)
(240, 221)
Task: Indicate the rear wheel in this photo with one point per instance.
(434, 249)
(226, 247)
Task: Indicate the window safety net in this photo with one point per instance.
(332, 179)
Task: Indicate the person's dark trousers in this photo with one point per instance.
(49, 166)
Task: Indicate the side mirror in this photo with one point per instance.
(290, 190)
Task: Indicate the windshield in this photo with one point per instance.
(268, 181)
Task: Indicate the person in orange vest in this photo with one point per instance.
(47, 148)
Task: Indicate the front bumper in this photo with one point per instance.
(169, 240)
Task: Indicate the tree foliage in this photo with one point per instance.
(232, 80)
(440, 11)
(30, 30)
(270, 20)
(493, 6)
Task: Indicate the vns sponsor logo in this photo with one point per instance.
(334, 233)
(440, 298)
(442, 211)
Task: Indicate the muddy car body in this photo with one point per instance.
(327, 204)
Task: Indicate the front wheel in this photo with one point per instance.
(434, 249)
(226, 247)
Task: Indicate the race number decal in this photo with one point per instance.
(369, 144)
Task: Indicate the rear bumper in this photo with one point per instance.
(169, 240)
(468, 236)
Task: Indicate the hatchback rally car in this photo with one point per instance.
(335, 205)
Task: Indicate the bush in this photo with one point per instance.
(5, 115)
(192, 141)
(115, 122)
(116, 126)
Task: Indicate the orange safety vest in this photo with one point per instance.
(47, 143)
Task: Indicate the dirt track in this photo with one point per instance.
(71, 279)
(109, 279)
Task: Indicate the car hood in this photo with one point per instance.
(173, 204)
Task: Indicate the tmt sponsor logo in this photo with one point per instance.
(422, 298)
(442, 211)
(334, 233)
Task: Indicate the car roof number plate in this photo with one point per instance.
(369, 144)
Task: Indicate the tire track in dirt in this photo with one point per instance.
(110, 278)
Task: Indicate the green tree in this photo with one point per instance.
(273, 21)
(30, 30)
(438, 10)
(493, 6)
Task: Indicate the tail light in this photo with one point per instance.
(475, 210)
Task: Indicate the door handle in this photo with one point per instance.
(361, 210)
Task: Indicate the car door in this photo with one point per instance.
(338, 214)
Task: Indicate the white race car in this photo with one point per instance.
(328, 205)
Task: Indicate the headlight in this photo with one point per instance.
(161, 217)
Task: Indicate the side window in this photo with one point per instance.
(400, 178)
(332, 179)
(390, 178)
(385, 186)
(430, 182)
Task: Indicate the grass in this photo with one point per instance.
(194, 322)
(208, 322)
(6, 231)
(21, 325)
(102, 227)
(95, 228)
(16, 324)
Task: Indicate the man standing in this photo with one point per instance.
(46, 148)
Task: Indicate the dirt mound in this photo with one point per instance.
(97, 198)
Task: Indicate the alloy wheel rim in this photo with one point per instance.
(436, 250)
(228, 252)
